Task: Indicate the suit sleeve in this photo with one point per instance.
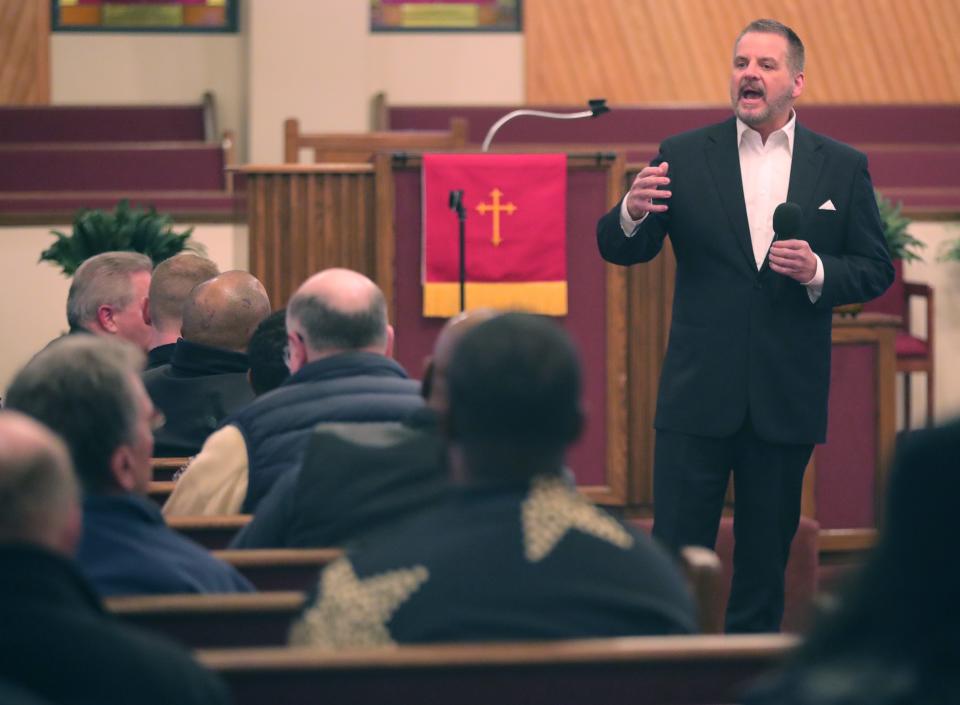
(646, 242)
(864, 270)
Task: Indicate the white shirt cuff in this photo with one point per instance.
(628, 224)
(815, 285)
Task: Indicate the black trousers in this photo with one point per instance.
(689, 484)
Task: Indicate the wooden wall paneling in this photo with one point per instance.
(304, 218)
(24, 52)
(643, 51)
(385, 231)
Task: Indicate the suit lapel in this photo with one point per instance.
(804, 170)
(723, 159)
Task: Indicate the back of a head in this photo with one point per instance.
(81, 388)
(339, 310)
(514, 380)
(104, 279)
(39, 497)
(173, 280)
(224, 311)
(265, 353)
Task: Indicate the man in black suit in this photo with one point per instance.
(745, 379)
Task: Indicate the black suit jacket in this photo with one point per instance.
(743, 340)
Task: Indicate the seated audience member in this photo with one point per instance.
(171, 284)
(108, 296)
(338, 343)
(88, 390)
(357, 479)
(56, 640)
(515, 553)
(893, 637)
(266, 353)
(206, 379)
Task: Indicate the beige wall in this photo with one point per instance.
(317, 61)
(33, 308)
(151, 68)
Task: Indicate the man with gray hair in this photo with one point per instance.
(88, 390)
(171, 284)
(338, 343)
(206, 379)
(57, 641)
(108, 296)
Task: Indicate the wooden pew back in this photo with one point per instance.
(280, 568)
(657, 670)
(361, 147)
(212, 532)
(198, 621)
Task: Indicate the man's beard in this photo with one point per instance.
(753, 118)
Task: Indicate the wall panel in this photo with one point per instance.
(24, 52)
(650, 51)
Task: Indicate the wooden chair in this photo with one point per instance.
(164, 469)
(212, 532)
(253, 619)
(662, 670)
(915, 354)
(361, 146)
(280, 568)
(704, 573)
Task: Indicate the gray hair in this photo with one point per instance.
(81, 388)
(37, 483)
(327, 328)
(795, 52)
(103, 279)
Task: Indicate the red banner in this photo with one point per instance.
(515, 232)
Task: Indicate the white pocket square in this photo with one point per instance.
(827, 206)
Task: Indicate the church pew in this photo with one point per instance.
(160, 491)
(137, 166)
(101, 123)
(280, 568)
(212, 532)
(198, 621)
(165, 468)
(688, 670)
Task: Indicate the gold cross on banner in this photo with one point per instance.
(496, 208)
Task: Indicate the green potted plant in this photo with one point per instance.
(902, 245)
(124, 229)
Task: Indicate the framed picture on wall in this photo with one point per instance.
(144, 15)
(445, 16)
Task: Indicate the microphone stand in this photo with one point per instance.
(597, 106)
(456, 204)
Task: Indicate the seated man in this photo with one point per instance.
(515, 553)
(338, 343)
(171, 284)
(266, 353)
(88, 390)
(56, 640)
(206, 379)
(108, 296)
(359, 478)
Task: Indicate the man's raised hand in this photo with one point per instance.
(647, 186)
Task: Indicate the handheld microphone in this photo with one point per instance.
(786, 221)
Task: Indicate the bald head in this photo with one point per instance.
(224, 311)
(435, 379)
(39, 497)
(339, 310)
(173, 280)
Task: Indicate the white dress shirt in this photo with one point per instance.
(765, 171)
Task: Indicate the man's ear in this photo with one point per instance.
(105, 320)
(146, 311)
(121, 467)
(389, 350)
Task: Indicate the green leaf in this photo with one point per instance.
(900, 243)
(125, 228)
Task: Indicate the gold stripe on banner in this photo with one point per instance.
(442, 300)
